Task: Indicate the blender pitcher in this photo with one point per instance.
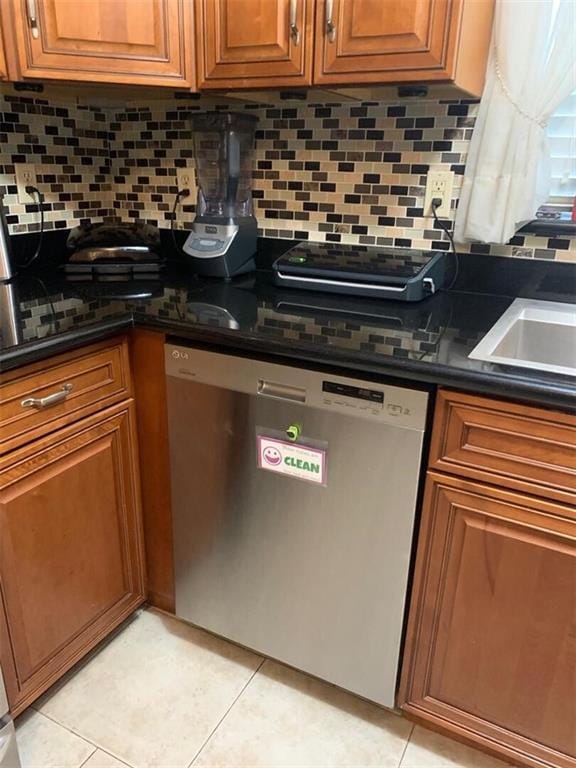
(223, 238)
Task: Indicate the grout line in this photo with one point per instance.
(90, 743)
(95, 744)
(225, 715)
(406, 745)
(88, 758)
(105, 752)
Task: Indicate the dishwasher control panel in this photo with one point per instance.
(351, 396)
(387, 403)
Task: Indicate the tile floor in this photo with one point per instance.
(162, 694)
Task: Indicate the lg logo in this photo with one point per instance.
(178, 355)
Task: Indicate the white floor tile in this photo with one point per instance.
(155, 693)
(427, 749)
(44, 744)
(285, 718)
(103, 760)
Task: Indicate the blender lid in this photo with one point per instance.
(222, 120)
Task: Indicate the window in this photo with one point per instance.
(562, 137)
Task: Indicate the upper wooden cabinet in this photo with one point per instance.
(254, 43)
(371, 41)
(250, 43)
(142, 42)
(3, 68)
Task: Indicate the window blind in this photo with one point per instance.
(562, 138)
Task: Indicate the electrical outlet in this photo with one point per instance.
(25, 176)
(439, 184)
(185, 178)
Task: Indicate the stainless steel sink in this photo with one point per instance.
(533, 334)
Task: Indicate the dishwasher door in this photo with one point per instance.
(312, 575)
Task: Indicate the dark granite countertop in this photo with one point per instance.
(426, 342)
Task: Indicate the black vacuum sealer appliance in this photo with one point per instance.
(401, 274)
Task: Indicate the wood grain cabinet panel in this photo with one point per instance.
(371, 41)
(71, 561)
(98, 376)
(491, 645)
(143, 42)
(508, 444)
(254, 43)
(370, 35)
(3, 67)
(147, 354)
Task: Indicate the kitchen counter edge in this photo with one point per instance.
(553, 392)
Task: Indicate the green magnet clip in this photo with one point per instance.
(293, 432)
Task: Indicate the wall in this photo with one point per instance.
(351, 172)
(70, 145)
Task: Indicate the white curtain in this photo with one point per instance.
(531, 70)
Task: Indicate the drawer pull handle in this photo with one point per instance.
(45, 402)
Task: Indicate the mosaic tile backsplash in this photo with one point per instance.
(70, 147)
(351, 173)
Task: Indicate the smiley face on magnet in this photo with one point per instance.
(272, 455)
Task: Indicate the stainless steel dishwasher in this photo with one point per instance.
(311, 571)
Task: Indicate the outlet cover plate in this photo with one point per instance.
(185, 179)
(25, 175)
(439, 184)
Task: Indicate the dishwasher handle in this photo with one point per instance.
(281, 391)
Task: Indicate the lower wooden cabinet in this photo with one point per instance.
(491, 643)
(147, 358)
(77, 384)
(71, 553)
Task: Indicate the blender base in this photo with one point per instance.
(222, 247)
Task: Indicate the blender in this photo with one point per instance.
(222, 242)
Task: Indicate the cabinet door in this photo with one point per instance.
(114, 41)
(3, 68)
(491, 647)
(71, 564)
(252, 43)
(376, 41)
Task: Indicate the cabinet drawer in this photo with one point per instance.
(505, 444)
(82, 382)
